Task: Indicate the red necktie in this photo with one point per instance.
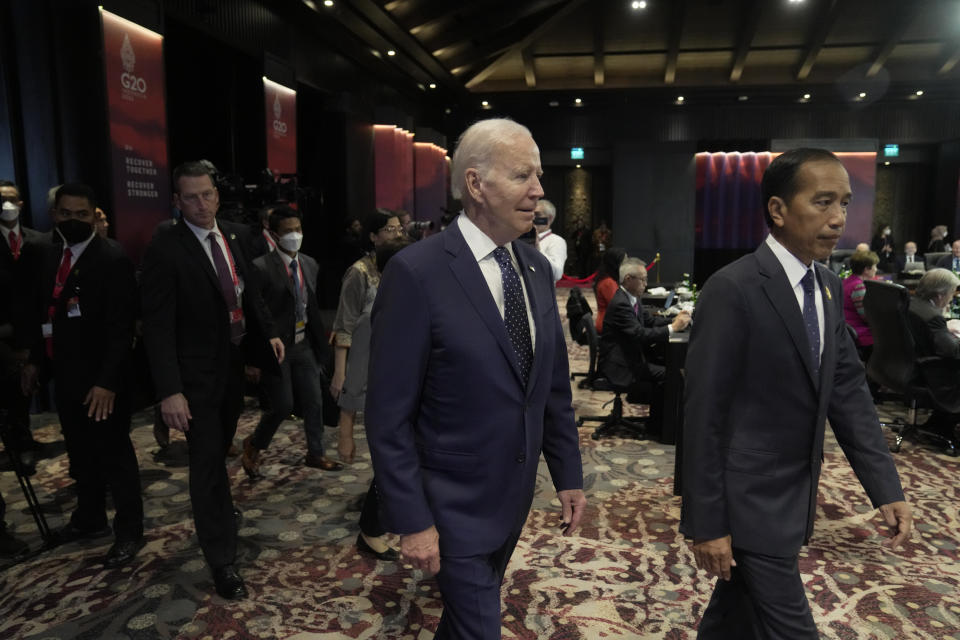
(15, 245)
(62, 274)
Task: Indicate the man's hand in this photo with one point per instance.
(252, 374)
(100, 403)
(681, 322)
(899, 515)
(278, 350)
(422, 549)
(573, 503)
(29, 379)
(176, 412)
(715, 556)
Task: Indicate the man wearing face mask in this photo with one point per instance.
(882, 245)
(20, 254)
(288, 281)
(89, 294)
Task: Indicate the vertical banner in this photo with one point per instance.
(430, 171)
(281, 110)
(133, 68)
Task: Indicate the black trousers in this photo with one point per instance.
(764, 600)
(211, 432)
(101, 458)
(470, 587)
(18, 408)
(370, 513)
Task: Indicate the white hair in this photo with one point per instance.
(549, 210)
(937, 282)
(477, 146)
(630, 266)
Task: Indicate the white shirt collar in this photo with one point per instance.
(15, 229)
(77, 249)
(545, 234)
(200, 232)
(480, 243)
(632, 298)
(792, 266)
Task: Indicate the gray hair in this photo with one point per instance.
(476, 148)
(549, 210)
(937, 282)
(631, 265)
(52, 196)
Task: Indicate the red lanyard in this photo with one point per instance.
(270, 241)
(233, 267)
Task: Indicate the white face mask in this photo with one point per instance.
(291, 241)
(10, 212)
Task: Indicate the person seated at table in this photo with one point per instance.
(931, 337)
(910, 260)
(628, 332)
(863, 266)
(606, 284)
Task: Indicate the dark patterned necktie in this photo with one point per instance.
(297, 293)
(810, 319)
(227, 289)
(515, 312)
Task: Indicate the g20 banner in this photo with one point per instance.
(136, 99)
(281, 127)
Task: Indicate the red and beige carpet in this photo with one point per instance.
(627, 574)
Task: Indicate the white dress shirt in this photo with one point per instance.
(77, 249)
(555, 249)
(795, 271)
(202, 234)
(482, 248)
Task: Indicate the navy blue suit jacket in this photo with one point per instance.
(755, 412)
(455, 436)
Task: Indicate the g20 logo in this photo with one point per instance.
(133, 83)
(280, 126)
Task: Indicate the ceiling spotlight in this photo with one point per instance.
(448, 111)
(919, 92)
(311, 4)
(432, 85)
(743, 98)
(391, 52)
(795, 1)
(862, 95)
(578, 166)
(328, 3)
(554, 103)
(578, 102)
(806, 96)
(680, 98)
(485, 104)
(887, 163)
(636, 5)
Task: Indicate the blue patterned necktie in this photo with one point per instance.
(810, 319)
(515, 312)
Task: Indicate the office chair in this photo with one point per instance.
(614, 423)
(587, 329)
(894, 363)
(930, 260)
(839, 259)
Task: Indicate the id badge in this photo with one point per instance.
(73, 307)
(47, 329)
(300, 332)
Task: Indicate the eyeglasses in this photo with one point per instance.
(195, 198)
(393, 228)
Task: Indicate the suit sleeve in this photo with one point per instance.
(621, 321)
(400, 333)
(945, 344)
(714, 367)
(159, 303)
(561, 440)
(853, 419)
(118, 329)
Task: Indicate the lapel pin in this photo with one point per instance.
(829, 297)
(532, 269)
(233, 236)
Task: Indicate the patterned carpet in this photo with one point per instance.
(627, 575)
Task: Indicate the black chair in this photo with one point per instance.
(588, 330)
(894, 363)
(614, 423)
(931, 259)
(840, 259)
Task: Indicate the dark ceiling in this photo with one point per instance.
(488, 46)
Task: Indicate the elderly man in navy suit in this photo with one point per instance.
(770, 361)
(469, 383)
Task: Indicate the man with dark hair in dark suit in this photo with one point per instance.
(629, 332)
(199, 296)
(288, 281)
(770, 360)
(90, 297)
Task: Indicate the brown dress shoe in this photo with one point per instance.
(320, 462)
(250, 460)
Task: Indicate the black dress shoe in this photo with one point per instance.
(229, 583)
(69, 533)
(123, 552)
(390, 555)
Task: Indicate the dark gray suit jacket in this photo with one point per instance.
(624, 337)
(755, 412)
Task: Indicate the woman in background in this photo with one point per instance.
(608, 281)
(863, 265)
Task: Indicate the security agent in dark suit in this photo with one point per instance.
(288, 282)
(770, 359)
(200, 297)
(629, 331)
(951, 262)
(21, 253)
(86, 332)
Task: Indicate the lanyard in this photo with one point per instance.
(233, 267)
(299, 273)
(270, 241)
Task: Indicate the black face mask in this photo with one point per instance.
(74, 231)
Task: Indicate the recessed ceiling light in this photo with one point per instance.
(311, 4)
(887, 163)
(578, 101)
(862, 95)
(391, 52)
(636, 5)
(920, 92)
(743, 98)
(578, 166)
(806, 96)
(554, 103)
(328, 3)
(448, 111)
(680, 98)
(433, 85)
(484, 104)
